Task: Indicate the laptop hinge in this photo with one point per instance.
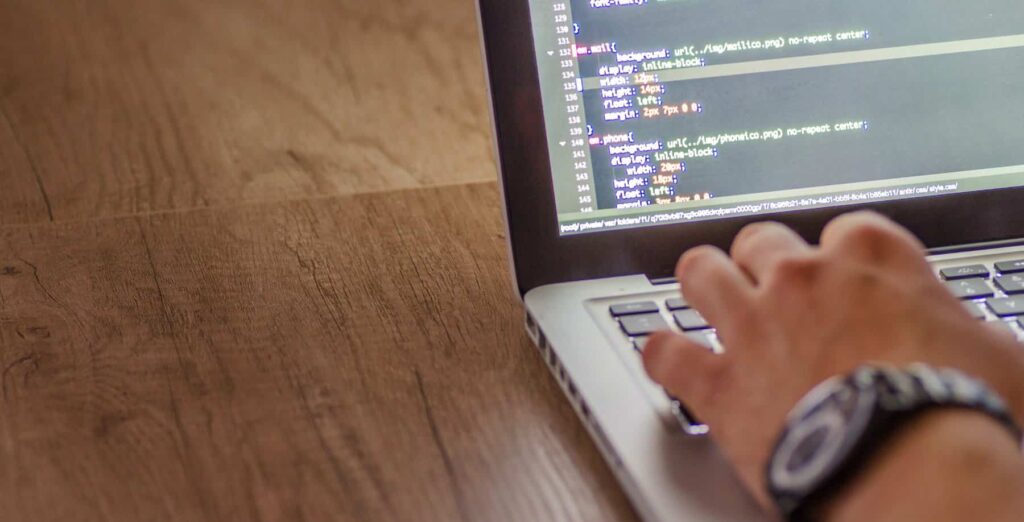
(976, 246)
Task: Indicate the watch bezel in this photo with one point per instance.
(822, 402)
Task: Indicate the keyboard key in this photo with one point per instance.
(690, 320)
(1007, 306)
(677, 304)
(646, 307)
(642, 325)
(639, 343)
(965, 272)
(970, 288)
(975, 310)
(687, 420)
(1011, 284)
(703, 338)
(1010, 267)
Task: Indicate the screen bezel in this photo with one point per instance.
(542, 256)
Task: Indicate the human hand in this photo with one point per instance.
(791, 315)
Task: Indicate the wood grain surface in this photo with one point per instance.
(22, 198)
(248, 272)
(115, 107)
(350, 358)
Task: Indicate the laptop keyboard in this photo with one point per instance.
(642, 325)
(992, 293)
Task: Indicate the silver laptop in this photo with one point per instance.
(630, 130)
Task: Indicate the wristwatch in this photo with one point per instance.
(834, 430)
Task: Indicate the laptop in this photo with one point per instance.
(628, 131)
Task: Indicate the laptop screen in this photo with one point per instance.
(672, 111)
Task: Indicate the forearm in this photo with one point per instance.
(947, 466)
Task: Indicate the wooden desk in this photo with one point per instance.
(206, 315)
(115, 107)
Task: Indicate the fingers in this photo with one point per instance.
(759, 247)
(686, 369)
(713, 284)
(873, 238)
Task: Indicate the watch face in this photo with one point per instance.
(821, 434)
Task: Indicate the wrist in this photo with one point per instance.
(945, 465)
(841, 426)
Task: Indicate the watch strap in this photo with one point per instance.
(845, 420)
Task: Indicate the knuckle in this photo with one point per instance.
(870, 234)
(797, 269)
(871, 238)
(749, 234)
(866, 281)
(695, 260)
(749, 230)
